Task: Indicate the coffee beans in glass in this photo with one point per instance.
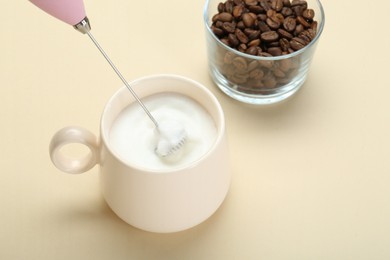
(260, 51)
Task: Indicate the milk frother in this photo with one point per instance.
(73, 13)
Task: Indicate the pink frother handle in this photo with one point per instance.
(68, 11)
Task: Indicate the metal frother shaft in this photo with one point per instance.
(85, 27)
(72, 12)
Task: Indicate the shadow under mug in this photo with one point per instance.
(153, 200)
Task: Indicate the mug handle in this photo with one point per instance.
(74, 135)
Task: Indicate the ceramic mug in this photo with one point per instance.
(158, 201)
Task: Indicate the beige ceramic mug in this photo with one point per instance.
(158, 201)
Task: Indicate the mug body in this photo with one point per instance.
(164, 200)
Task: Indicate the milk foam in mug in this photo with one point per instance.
(133, 135)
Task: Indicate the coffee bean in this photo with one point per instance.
(248, 19)
(262, 17)
(273, 44)
(311, 33)
(297, 43)
(299, 3)
(242, 47)
(221, 7)
(252, 34)
(299, 29)
(302, 21)
(256, 74)
(250, 2)
(304, 37)
(225, 41)
(256, 9)
(265, 4)
(239, 78)
(279, 73)
(224, 17)
(273, 23)
(289, 24)
(253, 86)
(285, 65)
(286, 11)
(241, 36)
(218, 24)
(269, 36)
(275, 51)
(238, 11)
(307, 35)
(308, 14)
(252, 65)
(286, 3)
(269, 81)
(284, 44)
(279, 17)
(214, 19)
(228, 58)
(313, 26)
(240, 63)
(255, 43)
(277, 5)
(263, 26)
(227, 69)
(251, 50)
(217, 31)
(285, 34)
(233, 40)
(240, 25)
(229, 6)
(254, 16)
(271, 13)
(229, 27)
(266, 63)
(298, 9)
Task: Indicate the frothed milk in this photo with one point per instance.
(133, 137)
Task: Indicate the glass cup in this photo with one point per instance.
(256, 79)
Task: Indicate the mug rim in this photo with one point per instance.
(219, 123)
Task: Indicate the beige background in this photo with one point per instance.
(311, 176)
